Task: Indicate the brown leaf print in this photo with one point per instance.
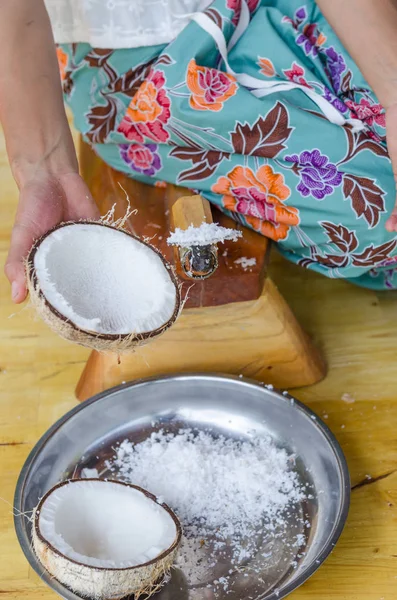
(348, 89)
(357, 142)
(165, 59)
(215, 16)
(68, 83)
(334, 261)
(366, 196)
(346, 82)
(102, 119)
(129, 82)
(343, 238)
(98, 58)
(193, 153)
(374, 254)
(373, 146)
(205, 162)
(306, 262)
(267, 137)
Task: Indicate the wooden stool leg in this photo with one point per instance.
(260, 339)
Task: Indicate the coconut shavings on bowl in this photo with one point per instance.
(205, 235)
(225, 492)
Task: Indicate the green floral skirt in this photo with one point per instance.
(258, 107)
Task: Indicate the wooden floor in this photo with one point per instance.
(357, 330)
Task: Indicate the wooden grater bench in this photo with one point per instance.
(235, 321)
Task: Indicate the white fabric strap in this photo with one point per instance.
(258, 87)
(242, 25)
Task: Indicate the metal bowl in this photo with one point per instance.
(85, 437)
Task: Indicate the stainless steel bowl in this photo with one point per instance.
(85, 437)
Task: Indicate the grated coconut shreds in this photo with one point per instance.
(205, 235)
(219, 488)
(245, 262)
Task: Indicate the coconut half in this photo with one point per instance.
(101, 287)
(105, 539)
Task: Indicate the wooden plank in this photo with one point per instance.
(191, 210)
(259, 339)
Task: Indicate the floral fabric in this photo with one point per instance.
(276, 164)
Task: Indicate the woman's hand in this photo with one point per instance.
(38, 139)
(45, 201)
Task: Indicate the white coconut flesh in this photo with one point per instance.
(105, 540)
(105, 525)
(104, 281)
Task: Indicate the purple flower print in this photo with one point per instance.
(142, 158)
(308, 39)
(335, 101)
(318, 176)
(299, 18)
(388, 276)
(300, 14)
(335, 67)
(311, 39)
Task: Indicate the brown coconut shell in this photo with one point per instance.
(100, 583)
(68, 330)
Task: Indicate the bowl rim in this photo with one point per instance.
(317, 560)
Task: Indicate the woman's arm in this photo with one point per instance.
(368, 30)
(31, 105)
(38, 139)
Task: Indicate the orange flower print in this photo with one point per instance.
(209, 88)
(259, 197)
(267, 67)
(148, 112)
(62, 62)
(321, 39)
(144, 107)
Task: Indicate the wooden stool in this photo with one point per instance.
(234, 322)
